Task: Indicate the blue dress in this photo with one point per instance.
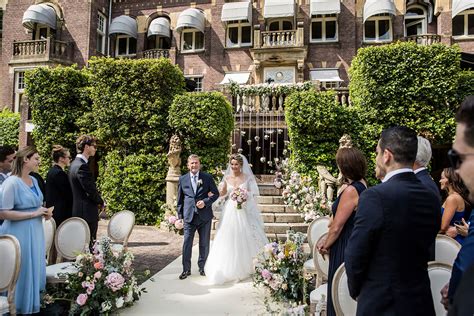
(458, 216)
(336, 252)
(18, 196)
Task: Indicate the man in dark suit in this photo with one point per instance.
(196, 193)
(461, 157)
(423, 157)
(7, 155)
(86, 200)
(387, 266)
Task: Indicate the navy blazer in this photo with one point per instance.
(387, 254)
(59, 194)
(464, 260)
(187, 199)
(425, 178)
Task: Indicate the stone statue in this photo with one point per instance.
(174, 171)
(326, 182)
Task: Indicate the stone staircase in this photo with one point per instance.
(277, 217)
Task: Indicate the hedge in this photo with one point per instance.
(10, 123)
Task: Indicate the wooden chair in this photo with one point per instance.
(72, 237)
(446, 249)
(343, 303)
(10, 256)
(49, 228)
(316, 229)
(439, 274)
(119, 229)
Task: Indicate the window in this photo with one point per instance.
(330, 84)
(198, 80)
(324, 28)
(158, 42)
(125, 46)
(101, 34)
(19, 89)
(415, 21)
(239, 33)
(192, 40)
(378, 28)
(463, 24)
(41, 32)
(1, 26)
(280, 25)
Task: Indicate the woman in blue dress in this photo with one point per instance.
(353, 167)
(454, 207)
(23, 212)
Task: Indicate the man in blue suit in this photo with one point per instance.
(387, 266)
(196, 193)
(423, 157)
(461, 158)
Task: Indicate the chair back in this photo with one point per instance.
(446, 249)
(49, 228)
(439, 274)
(10, 255)
(321, 264)
(120, 226)
(72, 237)
(316, 229)
(344, 304)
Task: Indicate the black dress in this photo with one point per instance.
(59, 194)
(336, 252)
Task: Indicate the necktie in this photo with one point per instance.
(194, 183)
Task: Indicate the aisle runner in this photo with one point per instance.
(168, 295)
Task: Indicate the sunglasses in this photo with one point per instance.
(456, 159)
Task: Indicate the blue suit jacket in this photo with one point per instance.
(425, 178)
(464, 260)
(386, 263)
(187, 199)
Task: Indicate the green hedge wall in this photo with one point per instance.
(204, 121)
(10, 123)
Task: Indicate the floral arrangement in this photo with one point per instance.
(170, 220)
(279, 269)
(240, 196)
(104, 282)
(300, 193)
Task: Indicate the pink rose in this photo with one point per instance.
(90, 288)
(266, 274)
(97, 275)
(114, 281)
(81, 299)
(98, 265)
(179, 224)
(172, 219)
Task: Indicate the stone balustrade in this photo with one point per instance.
(156, 53)
(42, 50)
(424, 39)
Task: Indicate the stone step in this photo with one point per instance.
(282, 218)
(265, 178)
(277, 199)
(281, 228)
(275, 208)
(268, 189)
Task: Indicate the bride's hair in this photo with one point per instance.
(237, 157)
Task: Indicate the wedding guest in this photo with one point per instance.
(454, 206)
(386, 267)
(58, 188)
(41, 183)
(423, 157)
(7, 154)
(353, 166)
(22, 211)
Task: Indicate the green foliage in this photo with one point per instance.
(58, 98)
(204, 122)
(316, 122)
(10, 123)
(131, 99)
(135, 182)
(466, 84)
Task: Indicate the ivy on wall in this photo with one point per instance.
(10, 123)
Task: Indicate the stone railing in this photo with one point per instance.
(425, 39)
(342, 96)
(278, 39)
(156, 53)
(42, 50)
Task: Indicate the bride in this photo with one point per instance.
(241, 234)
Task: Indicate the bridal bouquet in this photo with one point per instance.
(104, 282)
(171, 221)
(240, 196)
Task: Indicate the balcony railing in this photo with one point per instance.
(279, 39)
(425, 39)
(42, 50)
(156, 53)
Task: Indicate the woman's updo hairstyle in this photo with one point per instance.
(59, 152)
(237, 157)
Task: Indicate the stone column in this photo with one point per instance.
(174, 171)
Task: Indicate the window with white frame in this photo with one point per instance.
(330, 84)
(324, 28)
(125, 46)
(415, 20)
(192, 40)
(198, 81)
(463, 23)
(378, 28)
(19, 89)
(101, 32)
(280, 25)
(239, 33)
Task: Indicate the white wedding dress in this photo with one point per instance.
(239, 238)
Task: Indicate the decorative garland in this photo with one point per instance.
(269, 89)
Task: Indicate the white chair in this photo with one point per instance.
(120, 227)
(318, 300)
(321, 264)
(439, 274)
(446, 249)
(49, 228)
(72, 238)
(316, 229)
(343, 303)
(10, 255)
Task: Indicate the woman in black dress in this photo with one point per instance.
(353, 167)
(58, 189)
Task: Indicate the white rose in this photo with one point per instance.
(105, 306)
(129, 296)
(119, 302)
